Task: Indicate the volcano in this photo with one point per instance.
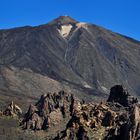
(66, 54)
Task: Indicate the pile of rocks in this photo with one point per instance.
(118, 118)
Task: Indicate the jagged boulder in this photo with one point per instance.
(50, 102)
(50, 110)
(32, 119)
(12, 110)
(120, 95)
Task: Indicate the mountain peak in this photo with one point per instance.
(63, 20)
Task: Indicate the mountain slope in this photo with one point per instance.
(85, 57)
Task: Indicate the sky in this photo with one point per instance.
(122, 16)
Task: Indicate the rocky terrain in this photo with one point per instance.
(61, 116)
(50, 110)
(111, 120)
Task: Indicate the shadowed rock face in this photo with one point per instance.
(120, 95)
(85, 57)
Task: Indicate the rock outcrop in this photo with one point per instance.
(12, 110)
(50, 110)
(120, 95)
(116, 119)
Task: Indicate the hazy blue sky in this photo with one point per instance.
(121, 16)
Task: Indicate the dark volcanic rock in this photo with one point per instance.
(120, 95)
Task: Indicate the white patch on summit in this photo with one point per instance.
(82, 24)
(65, 30)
